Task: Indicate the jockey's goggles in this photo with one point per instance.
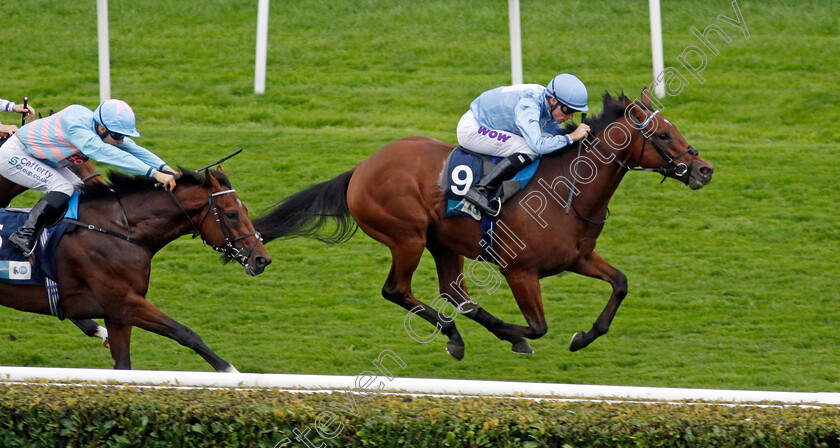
(115, 135)
(563, 108)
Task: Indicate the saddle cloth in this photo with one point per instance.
(463, 168)
(16, 269)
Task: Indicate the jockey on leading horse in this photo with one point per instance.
(520, 123)
(38, 156)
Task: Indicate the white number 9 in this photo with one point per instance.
(461, 180)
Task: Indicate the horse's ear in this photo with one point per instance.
(646, 98)
(210, 180)
(219, 169)
(635, 113)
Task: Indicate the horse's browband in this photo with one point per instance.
(650, 117)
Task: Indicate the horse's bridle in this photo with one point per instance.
(680, 169)
(230, 251)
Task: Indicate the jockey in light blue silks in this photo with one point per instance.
(520, 123)
(39, 154)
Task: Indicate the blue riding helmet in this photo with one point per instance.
(117, 116)
(569, 91)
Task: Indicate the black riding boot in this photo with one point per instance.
(477, 195)
(46, 212)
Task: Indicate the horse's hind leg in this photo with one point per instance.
(397, 289)
(593, 265)
(92, 329)
(450, 268)
(406, 239)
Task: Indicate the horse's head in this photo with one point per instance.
(227, 227)
(663, 147)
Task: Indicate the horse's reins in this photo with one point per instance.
(90, 176)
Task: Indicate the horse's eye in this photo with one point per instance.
(232, 215)
(664, 136)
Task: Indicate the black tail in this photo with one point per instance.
(306, 212)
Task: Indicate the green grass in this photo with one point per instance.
(732, 286)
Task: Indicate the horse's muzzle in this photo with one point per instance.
(254, 258)
(700, 175)
(256, 264)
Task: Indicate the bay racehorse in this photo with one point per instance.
(104, 265)
(395, 197)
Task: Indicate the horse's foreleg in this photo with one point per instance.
(593, 265)
(148, 317)
(92, 329)
(120, 344)
(406, 256)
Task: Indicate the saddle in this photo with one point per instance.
(463, 168)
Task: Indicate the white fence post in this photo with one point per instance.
(656, 47)
(515, 42)
(104, 53)
(262, 43)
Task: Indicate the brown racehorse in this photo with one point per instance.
(395, 197)
(104, 272)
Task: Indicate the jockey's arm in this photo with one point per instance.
(92, 146)
(528, 122)
(145, 156)
(10, 106)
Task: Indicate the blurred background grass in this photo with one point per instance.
(732, 286)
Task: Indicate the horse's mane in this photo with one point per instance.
(613, 110)
(120, 184)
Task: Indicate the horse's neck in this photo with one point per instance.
(152, 217)
(588, 178)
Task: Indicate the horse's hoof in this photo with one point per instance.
(456, 350)
(577, 342)
(229, 369)
(106, 343)
(523, 348)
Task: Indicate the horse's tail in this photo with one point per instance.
(306, 212)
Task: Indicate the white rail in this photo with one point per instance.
(413, 385)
